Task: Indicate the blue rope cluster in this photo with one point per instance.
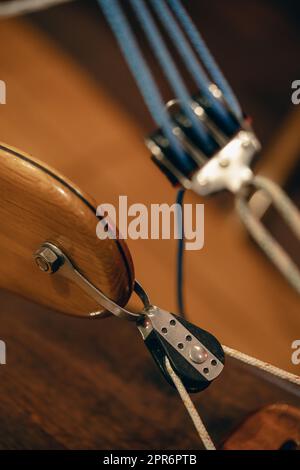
(198, 61)
(143, 76)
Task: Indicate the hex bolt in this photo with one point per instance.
(47, 260)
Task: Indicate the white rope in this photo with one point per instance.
(263, 237)
(21, 7)
(190, 407)
(265, 366)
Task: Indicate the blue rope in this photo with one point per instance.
(196, 70)
(168, 66)
(180, 255)
(140, 70)
(206, 57)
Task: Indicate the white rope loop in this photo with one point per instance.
(289, 212)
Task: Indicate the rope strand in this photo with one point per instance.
(265, 366)
(190, 407)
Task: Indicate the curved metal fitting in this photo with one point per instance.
(51, 259)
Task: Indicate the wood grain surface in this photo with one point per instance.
(73, 383)
(38, 205)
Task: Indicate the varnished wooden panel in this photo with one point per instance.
(38, 205)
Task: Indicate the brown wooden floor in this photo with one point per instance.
(69, 384)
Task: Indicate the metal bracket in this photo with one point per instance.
(229, 168)
(50, 259)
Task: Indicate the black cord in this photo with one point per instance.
(180, 255)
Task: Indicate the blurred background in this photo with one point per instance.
(72, 103)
